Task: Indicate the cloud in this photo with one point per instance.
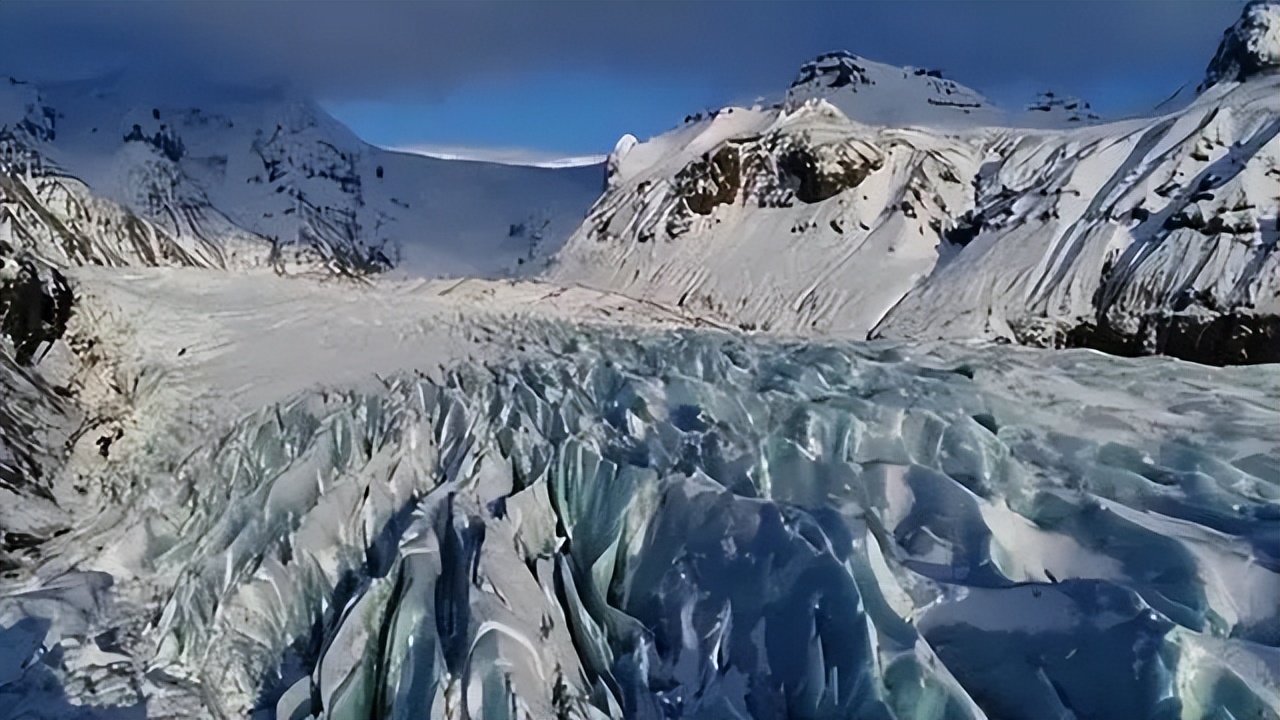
(367, 50)
(502, 156)
(575, 75)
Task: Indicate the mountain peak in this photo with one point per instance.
(1249, 47)
(879, 94)
(833, 70)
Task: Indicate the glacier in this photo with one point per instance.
(776, 434)
(698, 524)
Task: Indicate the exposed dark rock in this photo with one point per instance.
(1077, 110)
(1210, 339)
(834, 70)
(104, 442)
(1227, 222)
(11, 542)
(714, 180)
(164, 140)
(35, 306)
(954, 104)
(966, 229)
(1190, 218)
(814, 181)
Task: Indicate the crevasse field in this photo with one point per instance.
(695, 524)
(704, 527)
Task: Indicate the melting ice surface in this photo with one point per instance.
(703, 526)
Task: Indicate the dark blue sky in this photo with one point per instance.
(570, 77)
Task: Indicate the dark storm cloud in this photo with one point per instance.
(366, 50)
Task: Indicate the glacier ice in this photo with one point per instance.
(705, 526)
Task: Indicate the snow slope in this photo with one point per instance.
(893, 203)
(216, 163)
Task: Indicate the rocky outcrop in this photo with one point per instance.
(817, 172)
(775, 170)
(833, 70)
(711, 180)
(1070, 109)
(879, 94)
(1249, 47)
(1211, 338)
(35, 305)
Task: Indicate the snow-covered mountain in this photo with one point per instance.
(240, 168)
(894, 203)
(873, 93)
(232, 486)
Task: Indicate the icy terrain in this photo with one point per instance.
(892, 202)
(515, 502)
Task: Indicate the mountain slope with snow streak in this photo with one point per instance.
(867, 204)
(219, 163)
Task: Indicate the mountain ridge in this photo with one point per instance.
(819, 216)
(278, 167)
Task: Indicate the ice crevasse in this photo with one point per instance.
(705, 526)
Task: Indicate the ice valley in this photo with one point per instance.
(293, 427)
(685, 524)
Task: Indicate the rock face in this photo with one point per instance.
(711, 180)
(1250, 47)
(35, 305)
(1152, 235)
(776, 169)
(1071, 109)
(819, 171)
